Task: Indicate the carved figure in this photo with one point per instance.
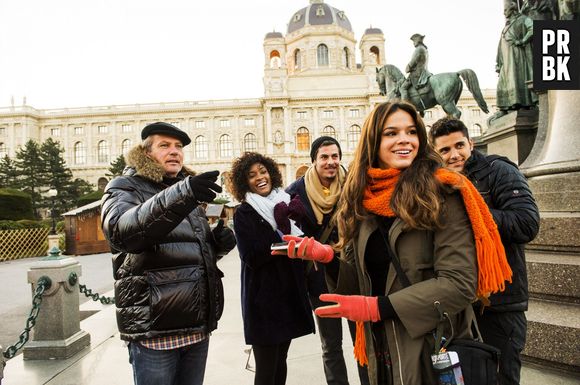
(514, 62)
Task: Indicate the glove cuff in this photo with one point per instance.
(328, 254)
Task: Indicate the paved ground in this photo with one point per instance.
(106, 361)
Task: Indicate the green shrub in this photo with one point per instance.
(89, 198)
(15, 205)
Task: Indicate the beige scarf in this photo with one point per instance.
(322, 203)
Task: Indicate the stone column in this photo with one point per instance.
(553, 257)
(57, 333)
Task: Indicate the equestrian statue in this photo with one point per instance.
(425, 90)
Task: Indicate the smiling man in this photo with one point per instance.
(319, 190)
(514, 210)
(168, 289)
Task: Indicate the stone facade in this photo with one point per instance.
(312, 86)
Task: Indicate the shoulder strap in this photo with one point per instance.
(326, 232)
(394, 258)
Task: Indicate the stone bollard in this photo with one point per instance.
(57, 333)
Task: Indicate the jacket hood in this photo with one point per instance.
(139, 163)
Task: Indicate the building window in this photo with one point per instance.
(2, 130)
(329, 131)
(375, 55)
(3, 150)
(200, 147)
(125, 146)
(297, 59)
(475, 112)
(301, 114)
(475, 130)
(80, 152)
(224, 123)
(250, 142)
(55, 132)
(200, 124)
(125, 128)
(226, 146)
(345, 58)
(322, 55)
(249, 122)
(354, 113)
(428, 114)
(176, 124)
(103, 152)
(320, 11)
(353, 136)
(78, 130)
(303, 139)
(275, 61)
(328, 114)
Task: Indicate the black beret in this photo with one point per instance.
(318, 142)
(165, 129)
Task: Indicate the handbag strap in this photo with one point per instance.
(394, 259)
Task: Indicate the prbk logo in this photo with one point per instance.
(556, 51)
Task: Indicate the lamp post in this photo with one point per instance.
(52, 194)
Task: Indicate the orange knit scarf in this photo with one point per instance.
(493, 268)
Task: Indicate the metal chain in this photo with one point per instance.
(42, 284)
(96, 297)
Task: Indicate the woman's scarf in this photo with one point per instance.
(492, 266)
(264, 206)
(322, 203)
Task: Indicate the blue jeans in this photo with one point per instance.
(181, 366)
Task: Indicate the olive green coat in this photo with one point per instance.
(441, 266)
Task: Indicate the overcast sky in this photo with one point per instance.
(71, 53)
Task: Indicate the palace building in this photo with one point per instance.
(313, 86)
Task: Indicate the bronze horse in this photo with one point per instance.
(444, 89)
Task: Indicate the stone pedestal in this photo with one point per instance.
(53, 240)
(553, 257)
(512, 135)
(57, 333)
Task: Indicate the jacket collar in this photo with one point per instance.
(140, 164)
(477, 165)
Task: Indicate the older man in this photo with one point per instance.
(319, 190)
(168, 289)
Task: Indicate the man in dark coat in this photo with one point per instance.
(514, 210)
(168, 289)
(319, 190)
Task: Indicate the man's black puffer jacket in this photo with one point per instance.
(516, 214)
(164, 263)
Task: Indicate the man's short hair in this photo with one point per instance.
(446, 126)
(323, 141)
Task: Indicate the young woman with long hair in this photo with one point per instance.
(401, 211)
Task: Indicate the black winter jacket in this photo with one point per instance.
(275, 305)
(514, 210)
(164, 256)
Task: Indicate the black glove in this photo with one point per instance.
(223, 236)
(202, 185)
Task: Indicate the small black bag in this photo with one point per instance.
(479, 361)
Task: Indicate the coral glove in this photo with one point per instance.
(353, 307)
(308, 248)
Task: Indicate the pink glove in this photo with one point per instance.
(308, 248)
(353, 307)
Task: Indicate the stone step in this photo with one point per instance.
(553, 276)
(553, 337)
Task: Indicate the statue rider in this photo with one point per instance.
(417, 67)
